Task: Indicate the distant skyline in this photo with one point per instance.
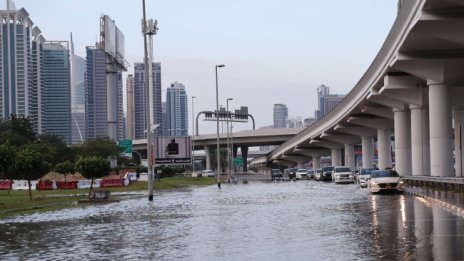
(279, 51)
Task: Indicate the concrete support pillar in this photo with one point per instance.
(441, 130)
(301, 165)
(403, 142)
(316, 161)
(349, 156)
(244, 150)
(384, 148)
(420, 141)
(336, 157)
(208, 157)
(458, 135)
(367, 152)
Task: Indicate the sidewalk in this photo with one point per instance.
(447, 199)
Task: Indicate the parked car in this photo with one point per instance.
(291, 173)
(310, 173)
(385, 180)
(362, 176)
(208, 173)
(327, 173)
(301, 174)
(342, 174)
(276, 173)
(317, 174)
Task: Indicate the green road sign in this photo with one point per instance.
(238, 162)
(126, 146)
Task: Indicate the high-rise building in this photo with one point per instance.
(177, 110)
(55, 94)
(140, 100)
(77, 97)
(96, 117)
(322, 91)
(326, 102)
(130, 114)
(280, 116)
(16, 74)
(34, 75)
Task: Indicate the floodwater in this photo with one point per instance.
(304, 220)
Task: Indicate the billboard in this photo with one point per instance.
(110, 36)
(114, 40)
(173, 150)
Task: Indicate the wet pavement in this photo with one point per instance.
(304, 220)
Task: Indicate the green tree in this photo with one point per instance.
(100, 147)
(7, 158)
(16, 131)
(29, 165)
(92, 167)
(65, 168)
(53, 149)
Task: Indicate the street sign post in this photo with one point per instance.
(126, 146)
(238, 162)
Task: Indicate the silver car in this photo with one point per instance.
(363, 175)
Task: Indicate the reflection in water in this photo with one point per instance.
(259, 221)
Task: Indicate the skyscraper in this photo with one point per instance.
(130, 107)
(16, 86)
(280, 115)
(34, 75)
(177, 110)
(140, 100)
(322, 91)
(55, 93)
(96, 118)
(326, 101)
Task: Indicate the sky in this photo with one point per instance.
(274, 51)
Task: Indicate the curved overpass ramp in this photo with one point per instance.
(412, 93)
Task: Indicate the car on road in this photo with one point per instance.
(276, 173)
(301, 174)
(342, 174)
(317, 174)
(291, 173)
(327, 173)
(208, 173)
(363, 175)
(385, 180)
(310, 173)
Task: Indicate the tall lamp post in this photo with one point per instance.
(193, 136)
(148, 30)
(228, 147)
(217, 128)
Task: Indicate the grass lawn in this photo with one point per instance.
(17, 201)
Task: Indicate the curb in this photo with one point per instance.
(441, 203)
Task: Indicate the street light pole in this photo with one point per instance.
(193, 136)
(217, 128)
(148, 31)
(228, 147)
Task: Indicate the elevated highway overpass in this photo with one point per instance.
(413, 93)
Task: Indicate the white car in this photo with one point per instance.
(363, 175)
(301, 174)
(385, 180)
(342, 174)
(208, 173)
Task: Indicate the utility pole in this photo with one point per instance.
(148, 30)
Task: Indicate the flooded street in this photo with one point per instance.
(303, 220)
